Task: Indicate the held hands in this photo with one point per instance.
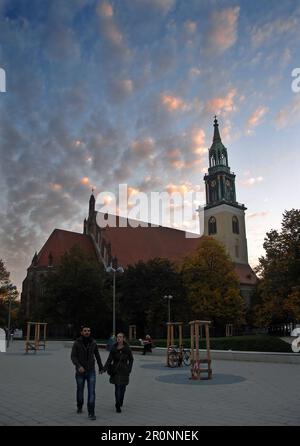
(81, 369)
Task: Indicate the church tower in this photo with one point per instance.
(224, 217)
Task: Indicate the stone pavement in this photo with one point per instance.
(39, 389)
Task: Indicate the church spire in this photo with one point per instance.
(220, 181)
(92, 204)
(217, 136)
(218, 157)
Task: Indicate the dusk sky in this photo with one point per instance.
(125, 91)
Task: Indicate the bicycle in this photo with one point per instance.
(177, 357)
(173, 357)
(186, 357)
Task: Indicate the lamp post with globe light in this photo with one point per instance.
(169, 297)
(114, 271)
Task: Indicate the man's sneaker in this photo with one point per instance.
(118, 408)
(79, 410)
(92, 416)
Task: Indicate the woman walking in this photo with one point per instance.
(118, 366)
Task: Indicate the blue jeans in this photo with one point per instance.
(119, 393)
(90, 377)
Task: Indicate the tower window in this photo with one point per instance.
(235, 225)
(212, 226)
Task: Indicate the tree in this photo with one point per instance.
(279, 271)
(7, 293)
(142, 289)
(75, 294)
(212, 285)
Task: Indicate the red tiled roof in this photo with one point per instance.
(130, 244)
(60, 242)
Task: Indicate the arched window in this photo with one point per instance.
(235, 225)
(213, 159)
(212, 226)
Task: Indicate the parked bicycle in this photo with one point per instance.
(186, 357)
(176, 357)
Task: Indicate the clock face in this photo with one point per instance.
(213, 183)
(227, 183)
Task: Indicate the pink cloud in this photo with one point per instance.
(105, 10)
(143, 147)
(256, 117)
(174, 103)
(271, 30)
(290, 114)
(224, 28)
(222, 104)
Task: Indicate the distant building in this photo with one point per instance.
(224, 220)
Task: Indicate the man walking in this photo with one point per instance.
(83, 356)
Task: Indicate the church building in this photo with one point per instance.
(224, 219)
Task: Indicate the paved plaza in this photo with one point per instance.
(39, 389)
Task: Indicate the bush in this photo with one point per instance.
(258, 343)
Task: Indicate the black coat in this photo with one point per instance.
(84, 355)
(121, 362)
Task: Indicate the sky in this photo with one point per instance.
(100, 93)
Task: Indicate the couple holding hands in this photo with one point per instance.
(118, 366)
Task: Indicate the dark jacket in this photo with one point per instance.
(121, 361)
(83, 355)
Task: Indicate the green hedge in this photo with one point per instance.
(259, 343)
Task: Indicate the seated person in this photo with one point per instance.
(148, 344)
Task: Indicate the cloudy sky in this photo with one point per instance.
(124, 91)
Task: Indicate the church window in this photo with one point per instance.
(235, 225)
(212, 226)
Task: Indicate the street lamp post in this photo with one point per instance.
(112, 270)
(169, 297)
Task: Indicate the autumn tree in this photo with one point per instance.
(279, 272)
(212, 285)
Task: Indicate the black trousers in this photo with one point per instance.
(119, 393)
(147, 348)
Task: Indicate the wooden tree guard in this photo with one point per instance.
(229, 330)
(132, 332)
(36, 343)
(170, 341)
(196, 362)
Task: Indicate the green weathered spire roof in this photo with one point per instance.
(217, 136)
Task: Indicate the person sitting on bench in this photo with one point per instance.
(148, 344)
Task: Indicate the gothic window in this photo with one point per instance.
(224, 158)
(213, 159)
(235, 225)
(212, 226)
